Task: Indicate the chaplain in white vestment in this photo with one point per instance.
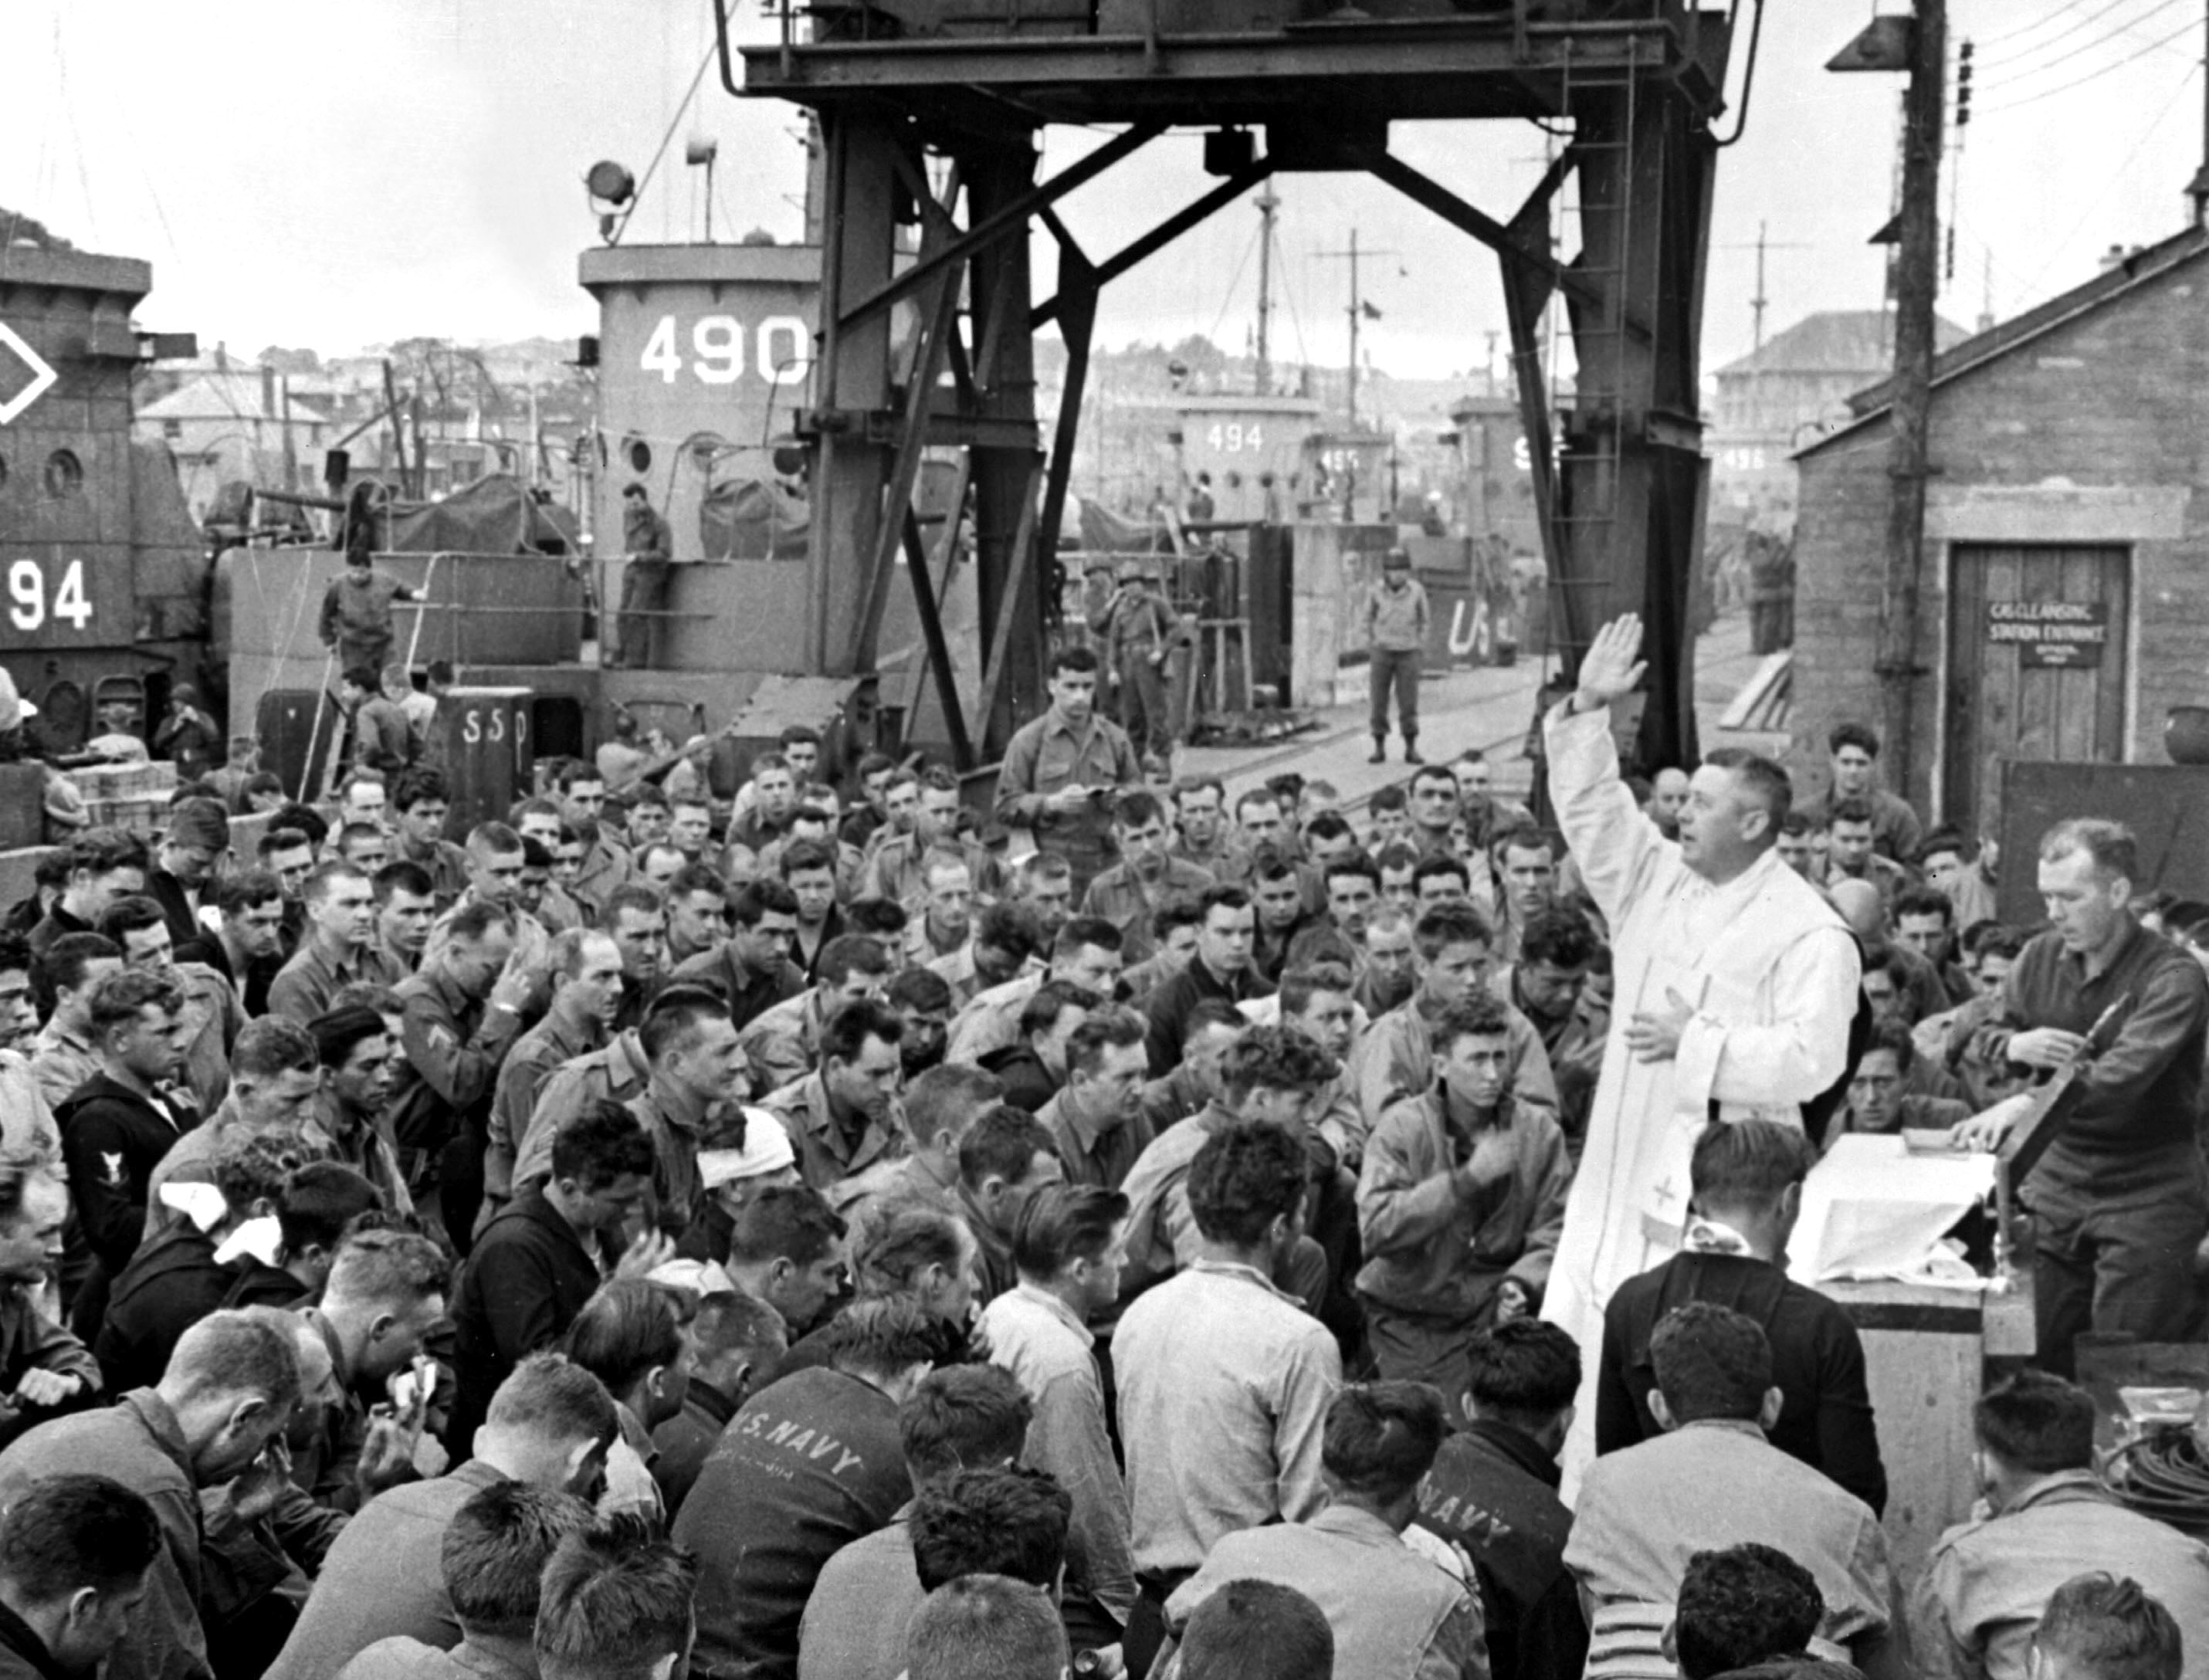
(1735, 983)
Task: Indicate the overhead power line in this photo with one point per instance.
(2038, 23)
(2073, 58)
(2096, 200)
(2185, 28)
(2037, 48)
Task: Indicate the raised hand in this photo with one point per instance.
(1612, 664)
(645, 1255)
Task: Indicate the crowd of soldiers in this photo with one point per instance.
(798, 1234)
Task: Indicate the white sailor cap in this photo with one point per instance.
(766, 1149)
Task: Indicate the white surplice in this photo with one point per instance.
(1771, 971)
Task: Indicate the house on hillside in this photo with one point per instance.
(1776, 399)
(249, 425)
(2065, 603)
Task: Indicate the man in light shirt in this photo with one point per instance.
(1224, 1380)
(1068, 1249)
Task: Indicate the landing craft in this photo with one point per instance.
(106, 581)
(698, 346)
(113, 592)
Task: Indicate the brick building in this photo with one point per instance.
(2065, 580)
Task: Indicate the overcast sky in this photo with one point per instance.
(333, 177)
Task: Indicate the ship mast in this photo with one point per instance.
(1267, 204)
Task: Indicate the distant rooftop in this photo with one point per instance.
(235, 395)
(1835, 341)
(2143, 266)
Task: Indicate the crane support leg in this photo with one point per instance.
(850, 468)
(1007, 555)
(1629, 493)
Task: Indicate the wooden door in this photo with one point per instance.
(2037, 639)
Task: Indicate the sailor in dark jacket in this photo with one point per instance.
(74, 1557)
(1493, 1492)
(118, 1124)
(182, 881)
(547, 1253)
(736, 1336)
(176, 1279)
(768, 1511)
(170, 1284)
(1747, 1188)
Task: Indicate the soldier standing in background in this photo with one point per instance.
(187, 734)
(647, 546)
(1396, 636)
(1138, 626)
(356, 623)
(1771, 592)
(1060, 771)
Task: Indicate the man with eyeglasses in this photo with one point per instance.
(1880, 1098)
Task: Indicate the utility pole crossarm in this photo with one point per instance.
(1353, 256)
(1765, 242)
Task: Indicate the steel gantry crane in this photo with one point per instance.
(930, 113)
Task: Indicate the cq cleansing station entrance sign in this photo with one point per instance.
(2060, 636)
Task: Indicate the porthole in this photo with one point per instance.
(640, 456)
(64, 474)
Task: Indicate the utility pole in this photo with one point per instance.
(1917, 285)
(1756, 303)
(1104, 422)
(1353, 329)
(1358, 307)
(1267, 204)
(291, 450)
(398, 433)
(536, 435)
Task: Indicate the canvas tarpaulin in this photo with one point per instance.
(745, 519)
(493, 515)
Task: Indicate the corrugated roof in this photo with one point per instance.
(1859, 341)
